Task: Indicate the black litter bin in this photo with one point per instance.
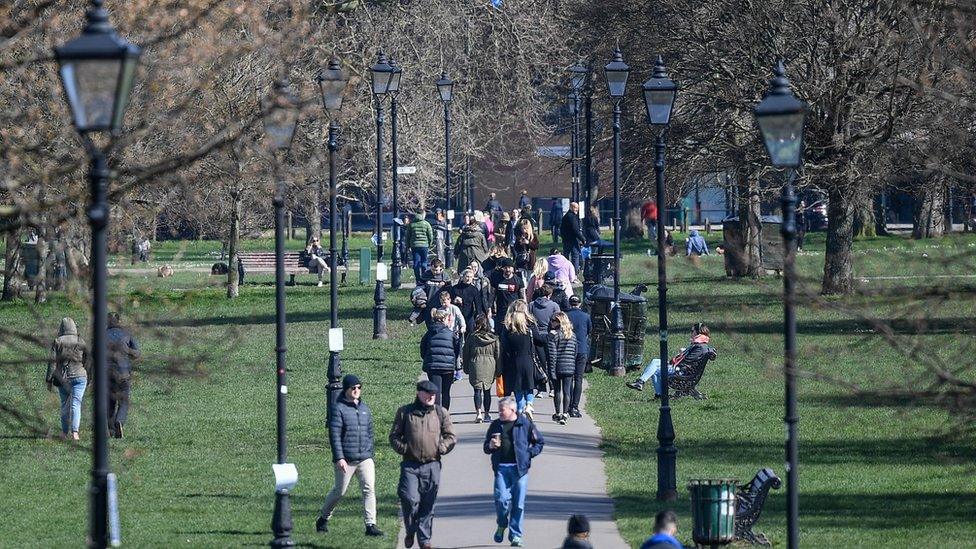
(634, 308)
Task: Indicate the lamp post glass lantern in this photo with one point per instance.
(616, 73)
(97, 71)
(659, 95)
(780, 117)
(332, 84)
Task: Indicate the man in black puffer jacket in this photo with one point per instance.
(351, 436)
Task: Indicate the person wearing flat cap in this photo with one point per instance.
(421, 433)
(579, 533)
(351, 438)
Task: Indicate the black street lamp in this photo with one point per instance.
(659, 95)
(445, 86)
(97, 72)
(332, 83)
(381, 76)
(574, 164)
(580, 81)
(616, 73)
(279, 128)
(397, 262)
(780, 117)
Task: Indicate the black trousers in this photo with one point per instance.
(578, 381)
(417, 491)
(118, 399)
(563, 393)
(443, 380)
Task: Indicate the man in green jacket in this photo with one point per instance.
(420, 235)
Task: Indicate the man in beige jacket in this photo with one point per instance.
(421, 433)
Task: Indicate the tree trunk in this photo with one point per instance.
(929, 218)
(630, 225)
(233, 241)
(751, 223)
(864, 222)
(11, 263)
(40, 280)
(838, 277)
(315, 214)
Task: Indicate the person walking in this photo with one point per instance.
(555, 219)
(524, 249)
(506, 289)
(649, 217)
(519, 356)
(69, 370)
(471, 244)
(493, 205)
(578, 530)
(480, 361)
(543, 308)
(440, 348)
(351, 438)
(561, 353)
(122, 350)
(422, 433)
(665, 530)
(501, 229)
(582, 328)
(572, 233)
(467, 296)
(512, 441)
(562, 269)
(524, 200)
(420, 235)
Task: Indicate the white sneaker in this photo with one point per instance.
(320, 284)
(529, 410)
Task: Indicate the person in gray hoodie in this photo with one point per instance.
(543, 309)
(68, 368)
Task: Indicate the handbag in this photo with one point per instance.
(500, 386)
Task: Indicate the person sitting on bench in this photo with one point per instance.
(316, 258)
(695, 352)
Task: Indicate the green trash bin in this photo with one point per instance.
(713, 511)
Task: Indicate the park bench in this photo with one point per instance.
(264, 262)
(685, 381)
(749, 501)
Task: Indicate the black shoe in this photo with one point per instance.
(636, 385)
(321, 525)
(575, 413)
(408, 541)
(372, 530)
(555, 417)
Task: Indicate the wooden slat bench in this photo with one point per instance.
(264, 262)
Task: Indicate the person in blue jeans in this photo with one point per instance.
(68, 368)
(420, 236)
(697, 348)
(512, 441)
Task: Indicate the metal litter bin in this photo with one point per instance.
(713, 511)
(634, 309)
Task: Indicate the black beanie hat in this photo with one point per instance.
(350, 381)
(578, 524)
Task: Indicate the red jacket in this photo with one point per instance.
(649, 211)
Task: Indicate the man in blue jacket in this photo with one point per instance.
(665, 528)
(582, 327)
(512, 440)
(351, 437)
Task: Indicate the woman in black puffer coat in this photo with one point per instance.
(561, 347)
(440, 348)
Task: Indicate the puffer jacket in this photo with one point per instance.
(422, 433)
(69, 354)
(471, 245)
(420, 234)
(440, 348)
(561, 353)
(351, 431)
(481, 352)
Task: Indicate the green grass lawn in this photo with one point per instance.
(195, 466)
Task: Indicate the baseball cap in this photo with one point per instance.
(575, 300)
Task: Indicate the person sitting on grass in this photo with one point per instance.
(697, 349)
(695, 245)
(665, 528)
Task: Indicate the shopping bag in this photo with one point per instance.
(500, 387)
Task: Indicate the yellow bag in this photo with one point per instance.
(500, 387)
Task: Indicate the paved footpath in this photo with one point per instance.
(567, 478)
